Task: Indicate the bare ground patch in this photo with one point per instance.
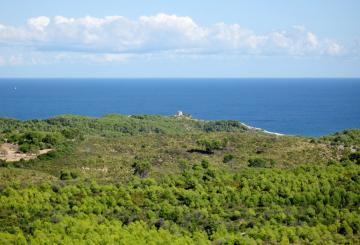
(10, 153)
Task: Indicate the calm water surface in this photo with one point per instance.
(292, 106)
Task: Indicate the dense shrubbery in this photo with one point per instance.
(211, 145)
(141, 168)
(30, 141)
(261, 163)
(223, 126)
(228, 158)
(349, 137)
(303, 205)
(355, 157)
(114, 125)
(67, 175)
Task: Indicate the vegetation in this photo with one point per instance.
(228, 158)
(210, 145)
(167, 180)
(261, 163)
(115, 125)
(141, 168)
(350, 137)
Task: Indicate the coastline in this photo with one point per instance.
(262, 130)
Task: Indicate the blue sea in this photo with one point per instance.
(310, 107)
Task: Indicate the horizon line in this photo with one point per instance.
(198, 78)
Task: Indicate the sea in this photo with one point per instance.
(306, 107)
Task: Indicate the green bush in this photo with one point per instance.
(205, 164)
(210, 145)
(52, 139)
(261, 163)
(68, 175)
(27, 148)
(3, 163)
(141, 168)
(301, 205)
(228, 158)
(72, 133)
(355, 157)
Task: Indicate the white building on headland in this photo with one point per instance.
(179, 114)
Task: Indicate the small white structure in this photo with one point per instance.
(179, 114)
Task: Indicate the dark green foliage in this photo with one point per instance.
(72, 133)
(355, 157)
(26, 147)
(347, 138)
(67, 175)
(141, 168)
(31, 137)
(220, 126)
(261, 163)
(73, 127)
(32, 141)
(50, 155)
(205, 164)
(228, 158)
(3, 163)
(52, 139)
(210, 145)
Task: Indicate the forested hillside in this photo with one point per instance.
(175, 180)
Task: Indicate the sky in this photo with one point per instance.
(161, 38)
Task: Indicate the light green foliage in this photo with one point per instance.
(300, 205)
(31, 141)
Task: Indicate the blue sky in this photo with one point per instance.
(156, 38)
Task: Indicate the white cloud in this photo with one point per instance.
(2, 61)
(116, 38)
(333, 48)
(106, 57)
(312, 40)
(298, 41)
(183, 26)
(230, 36)
(39, 23)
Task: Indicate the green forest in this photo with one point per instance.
(175, 180)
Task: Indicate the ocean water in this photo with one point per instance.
(310, 107)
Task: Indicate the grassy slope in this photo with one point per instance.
(111, 144)
(165, 152)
